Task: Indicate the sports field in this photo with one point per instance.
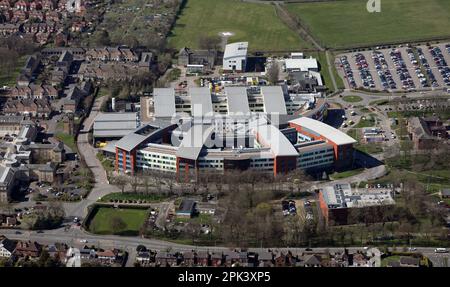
(347, 23)
(102, 223)
(256, 23)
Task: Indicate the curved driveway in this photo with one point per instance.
(101, 185)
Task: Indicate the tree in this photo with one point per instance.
(135, 183)
(141, 248)
(146, 183)
(131, 41)
(273, 72)
(121, 181)
(102, 38)
(117, 224)
(164, 62)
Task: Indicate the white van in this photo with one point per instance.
(440, 250)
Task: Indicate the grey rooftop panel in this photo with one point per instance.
(164, 101)
(201, 101)
(237, 100)
(273, 100)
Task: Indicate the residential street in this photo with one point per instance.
(73, 237)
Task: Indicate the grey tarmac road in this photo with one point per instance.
(101, 185)
(73, 237)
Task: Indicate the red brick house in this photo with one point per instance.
(48, 5)
(36, 5)
(35, 108)
(28, 248)
(5, 4)
(22, 5)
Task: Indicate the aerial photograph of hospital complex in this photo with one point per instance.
(224, 133)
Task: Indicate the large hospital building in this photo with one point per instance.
(264, 129)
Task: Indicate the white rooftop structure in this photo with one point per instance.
(193, 141)
(164, 102)
(115, 124)
(271, 136)
(235, 56)
(344, 196)
(319, 128)
(297, 55)
(237, 100)
(201, 101)
(303, 65)
(233, 50)
(273, 100)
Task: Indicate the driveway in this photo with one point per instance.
(101, 185)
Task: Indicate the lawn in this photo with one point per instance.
(345, 174)
(322, 58)
(367, 121)
(103, 91)
(443, 114)
(107, 163)
(102, 222)
(68, 140)
(257, 24)
(200, 219)
(434, 177)
(347, 23)
(379, 102)
(9, 78)
(386, 260)
(352, 99)
(372, 148)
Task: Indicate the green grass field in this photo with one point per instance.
(8, 78)
(322, 58)
(68, 140)
(366, 122)
(345, 174)
(102, 221)
(372, 148)
(256, 23)
(352, 99)
(347, 23)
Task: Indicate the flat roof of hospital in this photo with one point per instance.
(164, 102)
(201, 103)
(269, 135)
(237, 100)
(273, 97)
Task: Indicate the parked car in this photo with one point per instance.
(440, 250)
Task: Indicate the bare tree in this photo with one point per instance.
(134, 183)
(273, 72)
(121, 181)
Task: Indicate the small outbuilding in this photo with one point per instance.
(187, 208)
